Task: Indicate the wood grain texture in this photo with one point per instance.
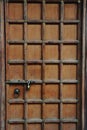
(34, 32)
(52, 126)
(34, 11)
(2, 69)
(70, 32)
(69, 126)
(68, 9)
(15, 11)
(52, 32)
(52, 11)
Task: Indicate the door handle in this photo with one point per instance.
(16, 92)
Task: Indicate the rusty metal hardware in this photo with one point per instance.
(29, 82)
(16, 92)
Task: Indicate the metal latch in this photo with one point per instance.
(29, 82)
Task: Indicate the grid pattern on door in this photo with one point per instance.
(43, 45)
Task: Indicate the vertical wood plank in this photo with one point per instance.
(25, 65)
(61, 65)
(2, 68)
(78, 93)
(86, 74)
(43, 64)
(83, 63)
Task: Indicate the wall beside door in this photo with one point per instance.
(86, 76)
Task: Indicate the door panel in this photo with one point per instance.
(43, 52)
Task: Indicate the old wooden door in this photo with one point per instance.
(43, 56)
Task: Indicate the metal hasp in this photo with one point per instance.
(29, 82)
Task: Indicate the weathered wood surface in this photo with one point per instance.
(86, 75)
(49, 69)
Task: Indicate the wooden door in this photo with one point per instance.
(43, 47)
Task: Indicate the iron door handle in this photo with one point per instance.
(16, 92)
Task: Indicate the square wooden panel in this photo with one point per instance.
(34, 111)
(51, 111)
(15, 127)
(15, 32)
(34, 11)
(15, 72)
(69, 126)
(51, 52)
(34, 92)
(69, 72)
(15, 111)
(69, 91)
(52, 72)
(69, 52)
(34, 71)
(52, 32)
(15, 52)
(70, 32)
(51, 126)
(52, 11)
(15, 11)
(34, 32)
(34, 52)
(10, 91)
(51, 91)
(68, 8)
(69, 111)
(34, 126)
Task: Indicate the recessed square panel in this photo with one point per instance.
(70, 32)
(15, 32)
(52, 11)
(52, 72)
(15, 126)
(34, 126)
(34, 32)
(15, 72)
(51, 52)
(16, 111)
(51, 111)
(70, 11)
(34, 52)
(51, 126)
(34, 92)
(51, 91)
(34, 111)
(34, 71)
(34, 11)
(15, 11)
(69, 126)
(69, 72)
(69, 91)
(51, 32)
(15, 52)
(69, 52)
(69, 111)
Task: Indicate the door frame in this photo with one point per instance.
(86, 72)
(2, 67)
